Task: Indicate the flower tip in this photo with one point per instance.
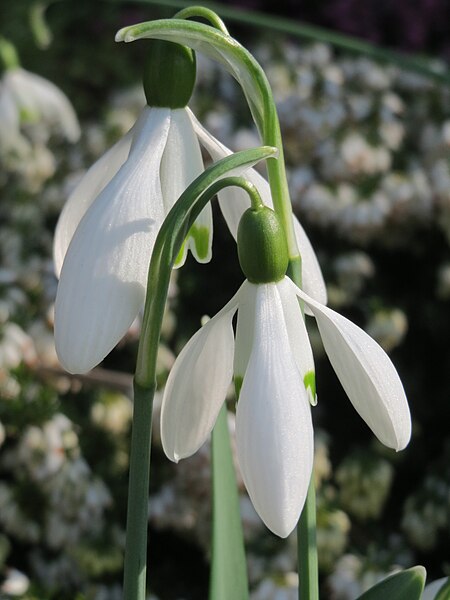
(120, 35)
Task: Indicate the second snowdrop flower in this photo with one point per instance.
(271, 358)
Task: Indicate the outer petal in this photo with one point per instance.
(197, 385)
(366, 374)
(233, 202)
(181, 163)
(90, 186)
(104, 274)
(273, 421)
(38, 95)
(298, 337)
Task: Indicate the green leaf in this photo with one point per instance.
(405, 585)
(220, 47)
(229, 572)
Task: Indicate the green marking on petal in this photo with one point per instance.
(200, 236)
(238, 380)
(28, 116)
(310, 384)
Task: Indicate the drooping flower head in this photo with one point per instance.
(272, 364)
(26, 98)
(105, 235)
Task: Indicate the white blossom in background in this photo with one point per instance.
(28, 99)
(284, 587)
(364, 484)
(352, 576)
(16, 583)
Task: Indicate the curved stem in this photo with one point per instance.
(8, 54)
(203, 13)
(414, 63)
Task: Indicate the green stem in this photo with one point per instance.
(228, 564)
(202, 13)
(308, 588)
(8, 54)
(135, 567)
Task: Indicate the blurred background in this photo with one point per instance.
(367, 147)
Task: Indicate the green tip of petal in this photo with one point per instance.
(238, 380)
(200, 237)
(310, 384)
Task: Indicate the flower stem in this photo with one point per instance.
(135, 568)
(306, 529)
(308, 588)
(203, 13)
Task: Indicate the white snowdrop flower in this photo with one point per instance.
(15, 584)
(106, 232)
(272, 364)
(29, 98)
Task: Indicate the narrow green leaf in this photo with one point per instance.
(229, 572)
(444, 591)
(405, 585)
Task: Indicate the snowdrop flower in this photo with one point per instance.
(29, 98)
(106, 232)
(271, 359)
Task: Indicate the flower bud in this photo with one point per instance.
(262, 247)
(169, 75)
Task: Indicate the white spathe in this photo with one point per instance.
(150, 165)
(272, 355)
(26, 96)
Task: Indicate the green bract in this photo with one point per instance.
(262, 248)
(169, 75)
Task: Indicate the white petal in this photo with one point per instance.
(431, 590)
(181, 163)
(41, 97)
(298, 336)
(273, 421)
(244, 330)
(90, 186)
(103, 279)
(233, 202)
(366, 374)
(197, 385)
